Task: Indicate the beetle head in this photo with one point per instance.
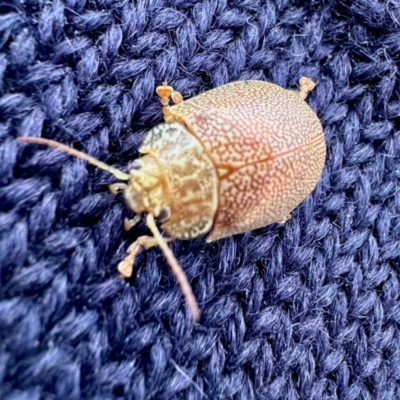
(147, 188)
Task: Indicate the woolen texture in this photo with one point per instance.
(305, 310)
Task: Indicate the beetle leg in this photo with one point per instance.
(167, 93)
(306, 85)
(125, 267)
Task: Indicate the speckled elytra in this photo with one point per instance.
(233, 159)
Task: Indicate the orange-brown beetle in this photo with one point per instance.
(235, 158)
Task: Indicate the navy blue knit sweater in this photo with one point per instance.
(305, 310)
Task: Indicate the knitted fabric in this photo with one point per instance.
(305, 310)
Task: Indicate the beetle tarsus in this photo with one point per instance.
(125, 267)
(167, 93)
(306, 85)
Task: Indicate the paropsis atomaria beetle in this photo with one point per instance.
(233, 159)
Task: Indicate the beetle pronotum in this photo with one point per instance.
(233, 159)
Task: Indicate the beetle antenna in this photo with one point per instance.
(175, 267)
(76, 153)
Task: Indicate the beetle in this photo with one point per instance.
(232, 159)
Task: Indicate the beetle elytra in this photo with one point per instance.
(233, 159)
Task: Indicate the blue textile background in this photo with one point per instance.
(307, 310)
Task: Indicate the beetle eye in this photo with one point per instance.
(134, 165)
(164, 215)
